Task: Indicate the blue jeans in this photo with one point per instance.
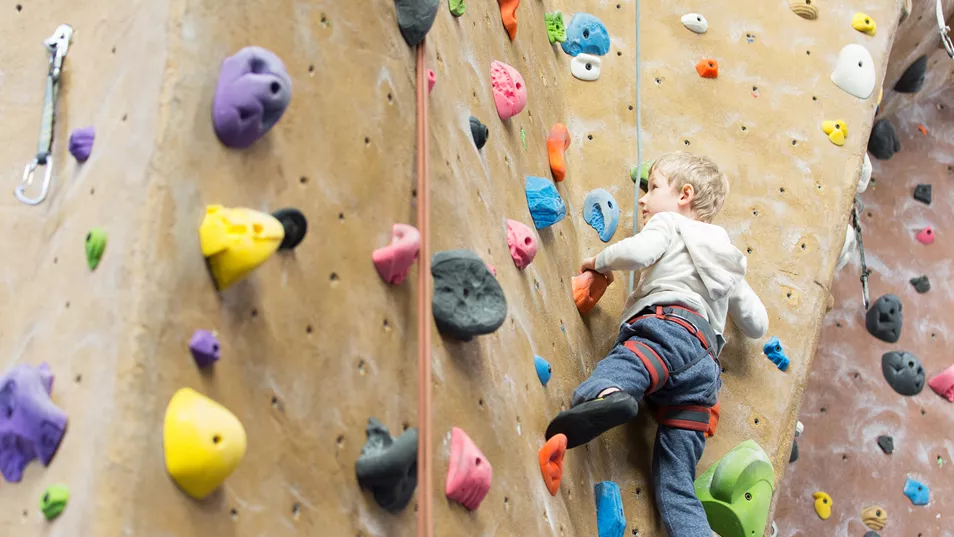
(693, 380)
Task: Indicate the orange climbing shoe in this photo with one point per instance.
(588, 289)
(508, 14)
(708, 68)
(557, 143)
(587, 420)
(551, 462)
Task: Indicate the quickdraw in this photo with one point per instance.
(856, 208)
(943, 28)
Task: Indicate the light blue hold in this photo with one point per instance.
(601, 211)
(586, 34)
(543, 369)
(610, 520)
(773, 349)
(546, 205)
(917, 492)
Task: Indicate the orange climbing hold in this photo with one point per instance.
(923, 129)
(551, 462)
(714, 413)
(588, 289)
(708, 68)
(557, 143)
(508, 14)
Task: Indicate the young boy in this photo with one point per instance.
(671, 334)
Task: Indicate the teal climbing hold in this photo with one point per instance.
(543, 369)
(546, 205)
(917, 492)
(601, 211)
(586, 34)
(610, 520)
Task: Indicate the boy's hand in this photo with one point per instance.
(590, 264)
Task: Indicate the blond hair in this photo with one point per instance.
(711, 186)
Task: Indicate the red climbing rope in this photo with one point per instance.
(425, 520)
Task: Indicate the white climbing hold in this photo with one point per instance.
(585, 67)
(855, 72)
(695, 22)
(865, 175)
(799, 428)
(774, 529)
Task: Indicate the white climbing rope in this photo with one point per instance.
(639, 150)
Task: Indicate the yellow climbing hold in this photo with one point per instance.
(203, 442)
(864, 24)
(822, 504)
(836, 130)
(236, 241)
(804, 9)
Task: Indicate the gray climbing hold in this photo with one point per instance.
(913, 78)
(872, 534)
(468, 301)
(883, 142)
(601, 211)
(886, 443)
(922, 193)
(921, 284)
(415, 18)
(884, 318)
(794, 456)
(388, 466)
(903, 371)
(479, 131)
(546, 205)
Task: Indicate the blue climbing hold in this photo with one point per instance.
(917, 492)
(773, 349)
(543, 369)
(602, 213)
(610, 520)
(586, 34)
(546, 205)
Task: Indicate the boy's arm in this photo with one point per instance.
(639, 251)
(747, 310)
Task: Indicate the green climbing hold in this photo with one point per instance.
(95, 246)
(736, 491)
(457, 7)
(556, 28)
(523, 138)
(54, 501)
(642, 174)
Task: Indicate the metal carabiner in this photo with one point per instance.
(57, 44)
(943, 28)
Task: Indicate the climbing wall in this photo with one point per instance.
(313, 342)
(848, 403)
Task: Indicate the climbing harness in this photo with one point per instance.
(943, 28)
(856, 208)
(57, 44)
(425, 517)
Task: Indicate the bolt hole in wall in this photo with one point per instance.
(234, 514)
(296, 511)
(19, 7)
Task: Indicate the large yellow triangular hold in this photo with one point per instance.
(236, 241)
(203, 442)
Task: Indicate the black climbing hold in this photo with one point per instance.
(415, 18)
(871, 534)
(886, 443)
(479, 131)
(388, 466)
(921, 284)
(883, 319)
(883, 142)
(913, 77)
(903, 372)
(922, 193)
(295, 226)
(468, 300)
(794, 456)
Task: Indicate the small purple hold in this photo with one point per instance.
(81, 143)
(31, 426)
(205, 348)
(253, 91)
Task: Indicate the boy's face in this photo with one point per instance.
(662, 197)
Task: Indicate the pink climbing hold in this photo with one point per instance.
(523, 246)
(469, 472)
(431, 80)
(943, 384)
(394, 261)
(926, 236)
(510, 91)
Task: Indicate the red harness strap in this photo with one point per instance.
(678, 320)
(692, 417)
(658, 372)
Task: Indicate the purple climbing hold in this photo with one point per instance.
(31, 426)
(81, 143)
(253, 91)
(205, 348)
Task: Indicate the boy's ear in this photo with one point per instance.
(687, 194)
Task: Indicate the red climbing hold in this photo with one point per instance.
(588, 289)
(469, 472)
(926, 236)
(708, 68)
(557, 143)
(508, 14)
(551, 462)
(431, 80)
(943, 384)
(394, 261)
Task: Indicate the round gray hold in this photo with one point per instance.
(903, 371)
(468, 301)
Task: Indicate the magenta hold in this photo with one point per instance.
(81, 143)
(523, 245)
(31, 426)
(253, 91)
(394, 261)
(431, 80)
(205, 348)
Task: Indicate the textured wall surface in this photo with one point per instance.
(848, 404)
(313, 342)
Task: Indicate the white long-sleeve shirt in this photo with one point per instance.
(688, 263)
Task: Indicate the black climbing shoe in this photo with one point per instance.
(588, 420)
